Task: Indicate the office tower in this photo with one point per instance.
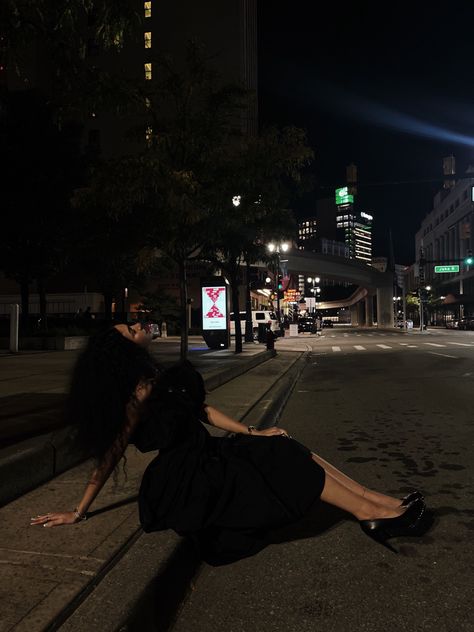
(354, 227)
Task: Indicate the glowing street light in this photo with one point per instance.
(278, 248)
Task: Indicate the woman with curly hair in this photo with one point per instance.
(224, 492)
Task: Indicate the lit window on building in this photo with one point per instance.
(148, 71)
(147, 8)
(147, 39)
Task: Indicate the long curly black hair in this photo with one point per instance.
(103, 381)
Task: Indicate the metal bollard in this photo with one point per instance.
(164, 330)
(270, 340)
(14, 326)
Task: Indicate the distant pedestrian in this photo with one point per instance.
(226, 493)
(87, 313)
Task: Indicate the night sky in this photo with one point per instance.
(389, 88)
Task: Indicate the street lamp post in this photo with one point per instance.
(315, 290)
(278, 248)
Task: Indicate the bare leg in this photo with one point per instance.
(357, 488)
(334, 493)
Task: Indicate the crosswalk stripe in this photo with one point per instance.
(434, 344)
(413, 346)
(461, 344)
(336, 348)
(404, 344)
(384, 346)
(359, 347)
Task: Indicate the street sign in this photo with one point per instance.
(446, 269)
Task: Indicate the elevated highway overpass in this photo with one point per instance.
(370, 281)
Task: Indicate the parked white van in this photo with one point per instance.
(258, 316)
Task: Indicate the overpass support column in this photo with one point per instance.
(385, 306)
(369, 312)
(361, 314)
(354, 315)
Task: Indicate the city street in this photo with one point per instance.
(394, 411)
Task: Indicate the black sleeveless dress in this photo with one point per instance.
(225, 493)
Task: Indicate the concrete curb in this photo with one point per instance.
(151, 586)
(30, 463)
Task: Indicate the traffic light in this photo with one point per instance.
(469, 259)
(280, 282)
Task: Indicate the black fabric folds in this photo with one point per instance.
(225, 493)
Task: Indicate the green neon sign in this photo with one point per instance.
(445, 269)
(343, 196)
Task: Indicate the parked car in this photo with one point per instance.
(328, 323)
(452, 324)
(306, 325)
(466, 323)
(153, 328)
(258, 317)
(401, 323)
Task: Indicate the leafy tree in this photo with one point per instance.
(69, 35)
(191, 120)
(110, 216)
(261, 170)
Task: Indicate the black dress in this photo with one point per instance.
(225, 493)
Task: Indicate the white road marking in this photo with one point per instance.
(404, 344)
(445, 355)
(434, 344)
(461, 344)
(359, 347)
(336, 348)
(413, 346)
(384, 346)
(467, 374)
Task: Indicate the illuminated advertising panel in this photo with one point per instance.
(214, 307)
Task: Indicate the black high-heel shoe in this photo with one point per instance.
(382, 529)
(406, 500)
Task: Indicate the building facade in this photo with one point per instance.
(445, 238)
(354, 227)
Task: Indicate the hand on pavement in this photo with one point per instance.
(55, 519)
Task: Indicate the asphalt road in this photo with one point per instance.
(395, 412)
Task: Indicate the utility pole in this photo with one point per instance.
(421, 278)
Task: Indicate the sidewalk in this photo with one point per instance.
(107, 560)
(35, 441)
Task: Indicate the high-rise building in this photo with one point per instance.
(307, 233)
(354, 227)
(227, 32)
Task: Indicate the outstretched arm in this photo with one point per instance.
(102, 472)
(220, 420)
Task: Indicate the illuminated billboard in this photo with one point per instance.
(343, 196)
(214, 307)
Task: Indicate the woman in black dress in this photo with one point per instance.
(225, 493)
